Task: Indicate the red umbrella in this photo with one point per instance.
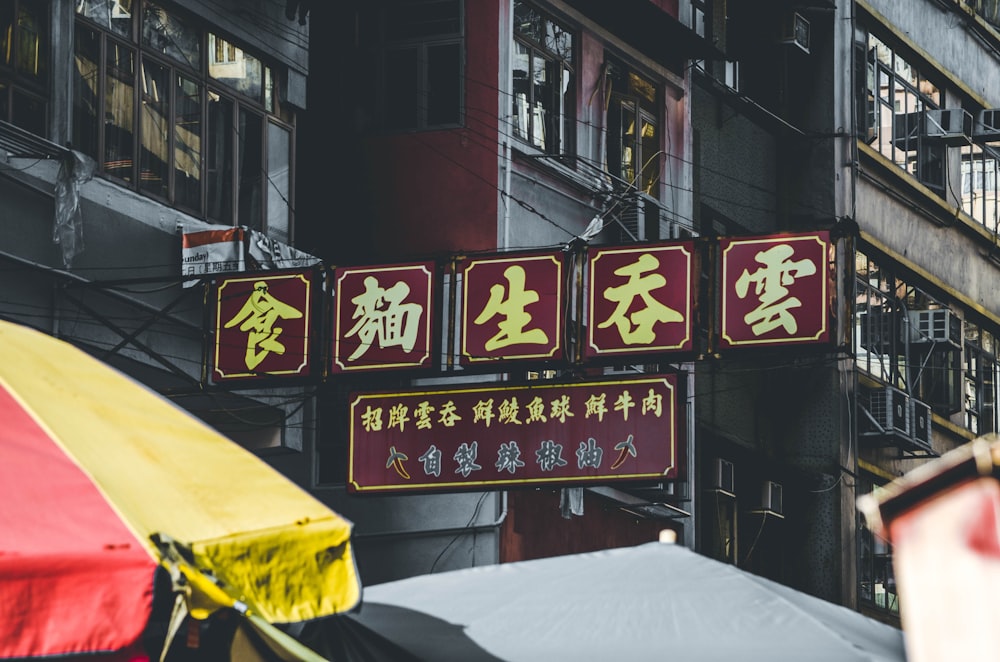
(102, 482)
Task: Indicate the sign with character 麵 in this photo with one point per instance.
(488, 437)
(776, 290)
(262, 326)
(383, 317)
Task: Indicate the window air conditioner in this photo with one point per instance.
(795, 31)
(890, 408)
(987, 126)
(770, 498)
(952, 126)
(721, 479)
(920, 423)
(939, 325)
(639, 218)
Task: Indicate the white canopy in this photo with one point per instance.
(649, 602)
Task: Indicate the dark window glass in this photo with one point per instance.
(279, 143)
(28, 112)
(415, 19)
(86, 93)
(114, 15)
(251, 170)
(166, 33)
(443, 69)
(154, 123)
(234, 67)
(187, 144)
(24, 64)
(31, 47)
(218, 159)
(119, 106)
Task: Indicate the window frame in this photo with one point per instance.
(884, 89)
(559, 105)
(23, 95)
(91, 132)
(875, 559)
(981, 380)
(930, 372)
(421, 43)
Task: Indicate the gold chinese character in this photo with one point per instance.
(653, 403)
(637, 327)
(257, 318)
(560, 409)
(448, 414)
(536, 410)
(770, 288)
(596, 406)
(383, 318)
(483, 411)
(623, 403)
(398, 416)
(423, 413)
(513, 310)
(508, 412)
(372, 419)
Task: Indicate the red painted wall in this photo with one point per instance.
(441, 186)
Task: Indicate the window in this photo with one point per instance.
(905, 338)
(24, 64)
(182, 114)
(891, 107)
(980, 165)
(980, 379)
(877, 580)
(633, 134)
(421, 64)
(543, 86)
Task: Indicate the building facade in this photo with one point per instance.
(125, 127)
(705, 121)
(445, 134)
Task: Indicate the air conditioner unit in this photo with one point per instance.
(795, 31)
(770, 498)
(952, 126)
(920, 423)
(939, 325)
(721, 479)
(890, 408)
(639, 218)
(987, 126)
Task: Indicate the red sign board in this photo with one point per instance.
(640, 299)
(776, 290)
(512, 308)
(262, 326)
(383, 317)
(488, 437)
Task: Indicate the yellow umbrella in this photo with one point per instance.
(102, 480)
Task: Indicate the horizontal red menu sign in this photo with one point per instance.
(483, 437)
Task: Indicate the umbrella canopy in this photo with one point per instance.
(649, 602)
(103, 481)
